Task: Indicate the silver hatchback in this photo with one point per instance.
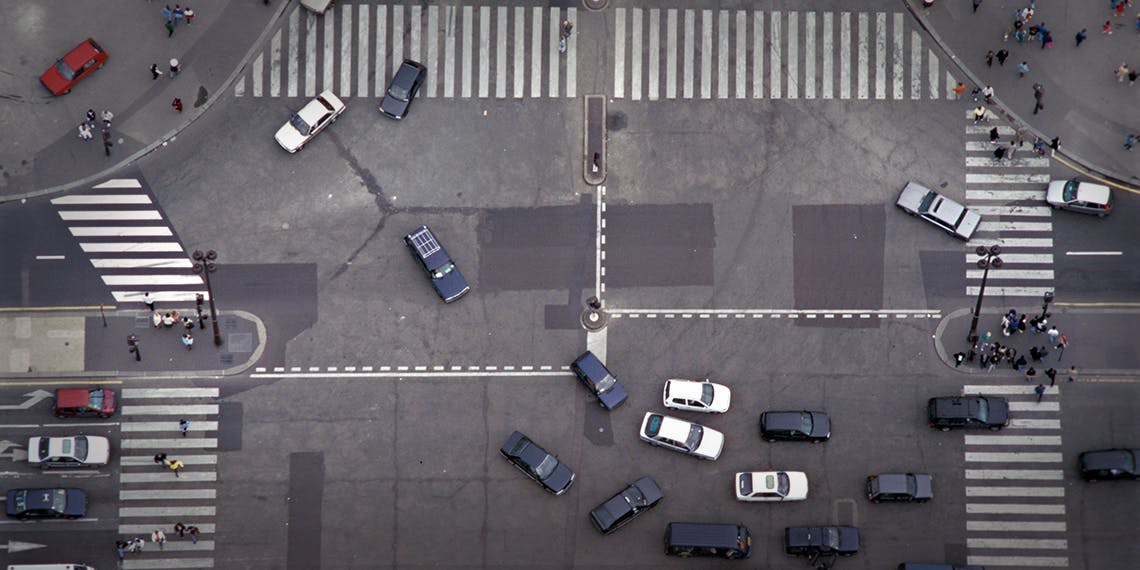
(954, 218)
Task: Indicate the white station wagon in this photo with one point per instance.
(771, 486)
(696, 396)
(69, 452)
(679, 435)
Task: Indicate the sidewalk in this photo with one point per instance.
(1085, 105)
(1101, 341)
(36, 344)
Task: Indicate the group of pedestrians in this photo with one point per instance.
(169, 319)
(87, 128)
(173, 16)
(158, 537)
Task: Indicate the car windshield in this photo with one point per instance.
(634, 497)
(544, 469)
(706, 394)
(443, 270)
(653, 426)
(398, 92)
(694, 439)
(924, 206)
(80, 448)
(783, 485)
(830, 538)
(95, 399)
(21, 501)
(1070, 192)
(58, 500)
(911, 485)
(45, 446)
(983, 409)
(606, 384)
(300, 124)
(64, 69)
(805, 423)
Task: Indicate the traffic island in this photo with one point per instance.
(594, 139)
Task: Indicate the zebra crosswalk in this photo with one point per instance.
(154, 498)
(1009, 193)
(1015, 493)
(773, 55)
(130, 242)
(469, 51)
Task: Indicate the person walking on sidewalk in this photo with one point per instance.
(155, 72)
(1052, 374)
(990, 58)
(1082, 36)
(175, 68)
(177, 104)
(107, 144)
(988, 93)
(1040, 389)
(1002, 55)
(189, 15)
(1022, 68)
(183, 425)
(1038, 96)
(188, 341)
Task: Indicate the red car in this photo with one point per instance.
(73, 67)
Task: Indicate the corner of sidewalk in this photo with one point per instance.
(68, 342)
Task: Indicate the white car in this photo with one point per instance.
(954, 218)
(680, 435)
(696, 395)
(310, 120)
(68, 452)
(1083, 197)
(771, 486)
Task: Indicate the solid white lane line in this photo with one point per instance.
(167, 494)
(1010, 291)
(1014, 492)
(120, 231)
(50, 257)
(1094, 253)
(1008, 258)
(793, 58)
(131, 247)
(110, 215)
(87, 199)
(1028, 561)
(1034, 543)
(741, 54)
(169, 392)
(171, 410)
(1023, 457)
(845, 55)
(1015, 526)
(1016, 474)
(142, 263)
(862, 57)
(775, 66)
(1011, 242)
(1013, 440)
(294, 53)
(143, 280)
(1011, 273)
(1014, 509)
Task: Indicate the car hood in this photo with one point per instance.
(712, 442)
(1056, 192)
(999, 411)
(924, 486)
(969, 224)
(53, 80)
(820, 425)
(560, 479)
(393, 107)
(98, 450)
(451, 286)
(722, 399)
(613, 397)
(76, 503)
(911, 196)
(289, 138)
(797, 486)
(848, 539)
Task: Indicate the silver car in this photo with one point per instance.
(310, 120)
(952, 217)
(68, 452)
(1083, 197)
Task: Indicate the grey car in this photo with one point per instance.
(1082, 197)
(952, 217)
(402, 90)
(900, 487)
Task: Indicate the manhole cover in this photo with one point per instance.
(227, 360)
(228, 323)
(239, 342)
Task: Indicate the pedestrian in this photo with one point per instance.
(178, 14)
(107, 116)
(91, 117)
(1052, 374)
(1120, 8)
(1046, 39)
(158, 537)
(1121, 72)
(175, 465)
(188, 341)
(976, 4)
(1040, 389)
(1072, 373)
(180, 529)
(1020, 363)
(993, 135)
(979, 113)
(155, 72)
(174, 68)
(1107, 27)
(990, 58)
(193, 532)
(107, 141)
(1002, 55)
(1030, 374)
(1039, 149)
(959, 89)
(1062, 345)
(1009, 154)
(1082, 36)
(1129, 141)
(120, 548)
(189, 15)
(167, 12)
(1132, 75)
(169, 28)
(1024, 318)
(188, 323)
(177, 104)
(1022, 68)
(984, 361)
(988, 93)
(160, 458)
(1055, 144)
(1053, 333)
(148, 300)
(168, 320)
(959, 357)
(183, 425)
(999, 153)
(85, 132)
(135, 545)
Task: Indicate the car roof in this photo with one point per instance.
(784, 420)
(73, 397)
(1094, 193)
(81, 53)
(686, 389)
(912, 195)
(893, 482)
(592, 366)
(674, 429)
(315, 109)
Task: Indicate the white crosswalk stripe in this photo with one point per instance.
(799, 54)
(353, 48)
(130, 243)
(1014, 484)
(1010, 196)
(155, 498)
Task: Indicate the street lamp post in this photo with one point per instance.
(198, 304)
(1045, 306)
(989, 258)
(204, 265)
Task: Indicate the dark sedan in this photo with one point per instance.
(47, 503)
(402, 90)
(599, 380)
(1108, 464)
(623, 507)
(539, 465)
(821, 540)
(900, 487)
(795, 426)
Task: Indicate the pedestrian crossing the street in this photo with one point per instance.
(130, 242)
(151, 496)
(469, 51)
(1015, 493)
(753, 54)
(1009, 193)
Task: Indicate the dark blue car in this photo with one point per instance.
(599, 380)
(542, 467)
(47, 503)
(444, 275)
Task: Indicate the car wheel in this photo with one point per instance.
(684, 554)
(846, 554)
(816, 440)
(104, 416)
(944, 429)
(770, 439)
(995, 428)
(71, 517)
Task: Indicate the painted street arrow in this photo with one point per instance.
(18, 452)
(33, 399)
(14, 546)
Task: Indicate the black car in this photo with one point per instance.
(795, 426)
(1108, 464)
(539, 465)
(968, 412)
(47, 503)
(900, 487)
(445, 276)
(623, 507)
(821, 540)
(599, 380)
(402, 89)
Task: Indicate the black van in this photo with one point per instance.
(703, 539)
